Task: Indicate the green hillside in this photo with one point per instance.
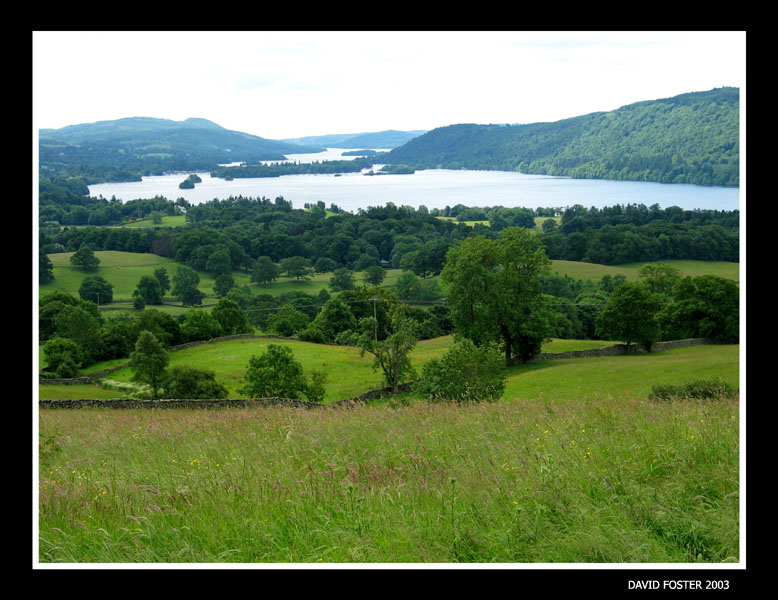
(690, 138)
(125, 149)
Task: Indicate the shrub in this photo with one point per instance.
(702, 389)
(189, 383)
(466, 373)
(314, 334)
(274, 373)
(67, 368)
(316, 389)
(59, 351)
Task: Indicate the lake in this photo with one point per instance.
(433, 188)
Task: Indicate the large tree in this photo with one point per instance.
(298, 267)
(84, 259)
(96, 289)
(185, 282)
(494, 291)
(277, 373)
(150, 289)
(45, 269)
(631, 315)
(231, 317)
(704, 306)
(264, 271)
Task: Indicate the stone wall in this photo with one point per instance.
(225, 403)
(615, 350)
(621, 349)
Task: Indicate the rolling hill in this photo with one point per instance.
(690, 138)
(124, 149)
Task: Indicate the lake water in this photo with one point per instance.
(434, 188)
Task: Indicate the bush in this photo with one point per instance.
(313, 334)
(59, 351)
(701, 389)
(67, 368)
(466, 373)
(186, 382)
(276, 373)
(316, 390)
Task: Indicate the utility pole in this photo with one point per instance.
(375, 316)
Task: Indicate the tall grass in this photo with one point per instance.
(607, 480)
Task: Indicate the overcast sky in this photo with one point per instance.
(292, 84)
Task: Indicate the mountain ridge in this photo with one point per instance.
(688, 138)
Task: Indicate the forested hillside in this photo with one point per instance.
(690, 138)
(125, 149)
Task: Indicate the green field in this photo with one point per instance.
(611, 480)
(167, 221)
(564, 379)
(693, 268)
(576, 464)
(124, 269)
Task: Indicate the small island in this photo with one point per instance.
(189, 182)
(392, 170)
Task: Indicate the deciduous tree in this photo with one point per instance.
(149, 361)
(494, 291)
(631, 315)
(84, 259)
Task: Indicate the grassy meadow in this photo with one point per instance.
(351, 374)
(575, 464)
(611, 480)
(124, 269)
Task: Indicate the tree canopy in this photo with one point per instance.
(494, 291)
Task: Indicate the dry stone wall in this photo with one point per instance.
(615, 350)
(621, 349)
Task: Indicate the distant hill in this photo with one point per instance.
(690, 138)
(125, 149)
(358, 141)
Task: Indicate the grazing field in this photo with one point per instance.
(564, 379)
(123, 270)
(693, 268)
(167, 221)
(608, 480)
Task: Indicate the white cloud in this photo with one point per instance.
(290, 84)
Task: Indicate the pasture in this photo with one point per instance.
(610, 480)
(576, 464)
(123, 270)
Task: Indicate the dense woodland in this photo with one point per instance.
(691, 138)
(253, 227)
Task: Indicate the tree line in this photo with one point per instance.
(396, 236)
